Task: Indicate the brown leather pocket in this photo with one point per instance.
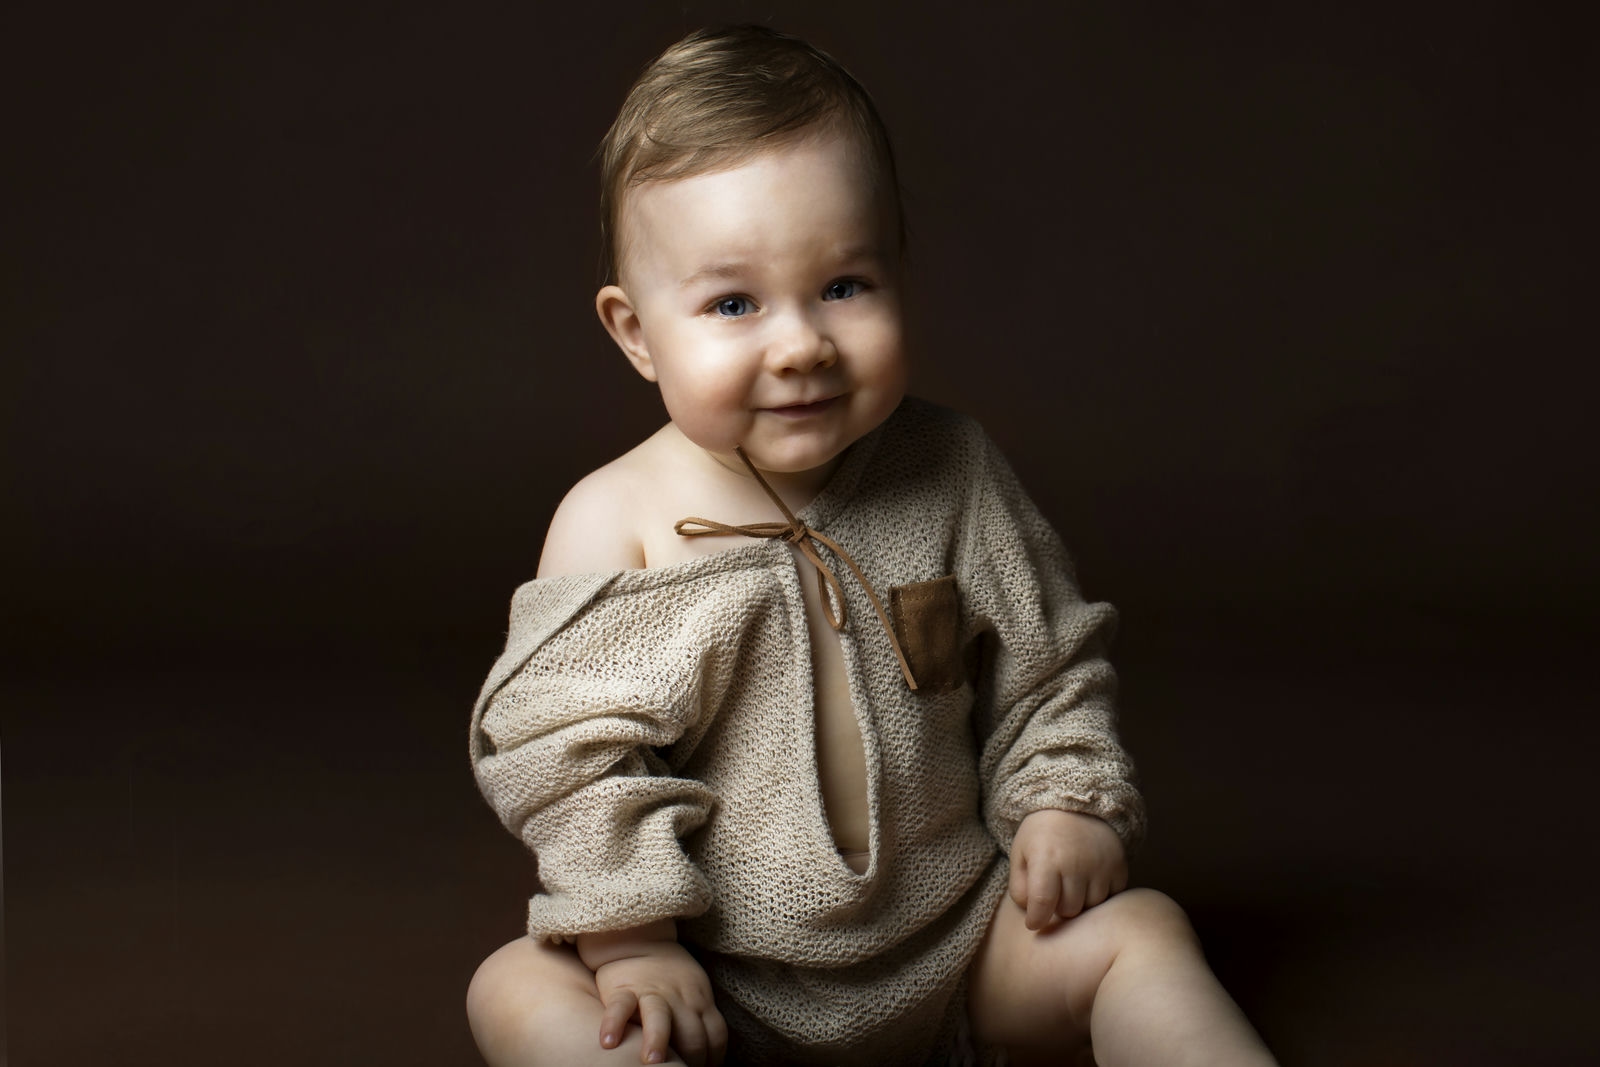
(927, 619)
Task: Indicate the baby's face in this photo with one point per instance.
(765, 302)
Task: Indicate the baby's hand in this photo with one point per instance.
(669, 993)
(1063, 862)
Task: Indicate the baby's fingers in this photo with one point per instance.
(1044, 889)
(716, 1036)
(689, 1038)
(655, 1015)
(1019, 881)
(1101, 887)
(1073, 890)
(614, 1020)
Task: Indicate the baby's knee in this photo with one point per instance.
(493, 1011)
(1148, 915)
(523, 990)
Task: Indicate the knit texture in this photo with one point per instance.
(649, 735)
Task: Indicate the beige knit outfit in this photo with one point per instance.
(649, 734)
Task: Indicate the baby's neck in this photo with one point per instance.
(669, 478)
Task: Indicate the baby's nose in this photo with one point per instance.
(801, 347)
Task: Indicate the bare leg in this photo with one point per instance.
(533, 1003)
(1128, 973)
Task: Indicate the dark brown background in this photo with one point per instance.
(1282, 312)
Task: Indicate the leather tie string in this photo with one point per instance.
(801, 536)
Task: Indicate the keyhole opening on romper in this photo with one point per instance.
(841, 755)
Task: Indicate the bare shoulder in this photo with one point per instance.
(622, 516)
(596, 527)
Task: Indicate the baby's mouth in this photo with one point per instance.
(816, 407)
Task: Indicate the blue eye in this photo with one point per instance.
(733, 307)
(842, 290)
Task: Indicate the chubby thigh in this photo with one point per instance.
(1037, 988)
(533, 1003)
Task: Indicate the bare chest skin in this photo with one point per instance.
(841, 760)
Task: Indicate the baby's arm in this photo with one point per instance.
(1058, 789)
(1044, 701)
(1063, 862)
(570, 771)
(644, 973)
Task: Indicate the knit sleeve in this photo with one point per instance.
(1045, 698)
(564, 744)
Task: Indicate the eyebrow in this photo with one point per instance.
(728, 269)
(735, 267)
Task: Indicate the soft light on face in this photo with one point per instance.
(765, 301)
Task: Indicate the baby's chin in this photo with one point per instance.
(770, 457)
(793, 461)
(791, 451)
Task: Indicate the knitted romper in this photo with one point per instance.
(649, 735)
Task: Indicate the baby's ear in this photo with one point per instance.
(622, 323)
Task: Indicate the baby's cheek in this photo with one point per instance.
(883, 371)
(709, 414)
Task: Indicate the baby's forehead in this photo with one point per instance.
(825, 181)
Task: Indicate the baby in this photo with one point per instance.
(803, 717)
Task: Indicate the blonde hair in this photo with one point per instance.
(719, 97)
